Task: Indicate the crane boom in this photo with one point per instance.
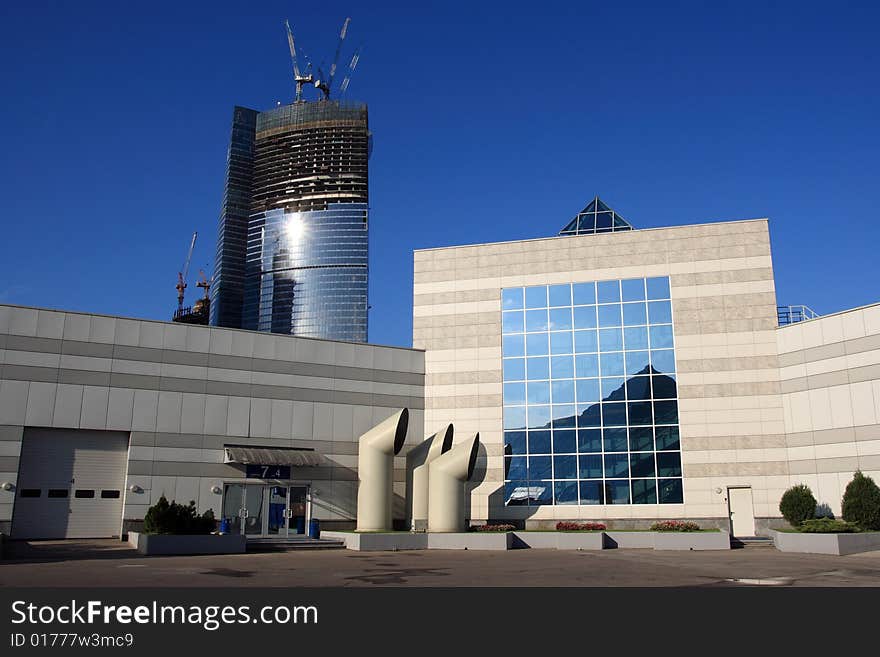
(189, 255)
(342, 33)
(292, 48)
(181, 275)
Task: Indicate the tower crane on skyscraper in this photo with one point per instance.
(298, 77)
(325, 83)
(181, 275)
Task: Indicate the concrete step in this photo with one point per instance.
(289, 544)
(737, 542)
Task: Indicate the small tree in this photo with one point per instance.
(861, 502)
(797, 504)
(173, 518)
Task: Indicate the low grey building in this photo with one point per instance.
(100, 416)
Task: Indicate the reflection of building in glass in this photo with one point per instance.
(590, 410)
(298, 263)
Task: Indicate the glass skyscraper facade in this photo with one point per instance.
(302, 252)
(307, 272)
(589, 392)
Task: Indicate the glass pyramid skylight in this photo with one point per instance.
(596, 218)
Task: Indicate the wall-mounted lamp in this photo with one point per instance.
(216, 490)
(718, 490)
(134, 488)
(7, 485)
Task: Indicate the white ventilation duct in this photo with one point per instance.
(447, 476)
(376, 450)
(417, 461)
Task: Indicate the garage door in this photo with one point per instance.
(70, 484)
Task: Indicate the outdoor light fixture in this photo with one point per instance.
(718, 490)
(134, 488)
(216, 489)
(7, 485)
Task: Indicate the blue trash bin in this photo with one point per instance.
(314, 528)
(300, 524)
(224, 526)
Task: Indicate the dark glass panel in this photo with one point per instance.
(539, 442)
(641, 464)
(541, 493)
(58, 492)
(644, 491)
(515, 467)
(565, 467)
(592, 492)
(565, 442)
(641, 439)
(84, 494)
(566, 492)
(639, 413)
(614, 439)
(516, 493)
(667, 438)
(540, 467)
(29, 492)
(671, 491)
(617, 492)
(589, 440)
(666, 412)
(616, 465)
(669, 464)
(664, 387)
(516, 440)
(590, 466)
(638, 387)
(614, 414)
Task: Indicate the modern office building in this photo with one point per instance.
(292, 253)
(624, 375)
(633, 375)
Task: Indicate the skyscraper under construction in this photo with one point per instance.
(292, 247)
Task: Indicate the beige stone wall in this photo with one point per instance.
(724, 313)
(830, 370)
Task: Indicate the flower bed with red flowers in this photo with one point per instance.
(493, 528)
(675, 526)
(580, 526)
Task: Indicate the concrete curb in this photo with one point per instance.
(157, 544)
(836, 544)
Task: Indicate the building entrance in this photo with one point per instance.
(266, 509)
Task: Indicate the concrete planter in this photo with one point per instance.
(380, 541)
(719, 540)
(615, 539)
(151, 544)
(838, 544)
(559, 540)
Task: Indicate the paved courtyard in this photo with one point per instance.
(112, 563)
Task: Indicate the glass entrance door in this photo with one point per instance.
(266, 510)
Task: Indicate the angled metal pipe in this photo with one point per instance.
(417, 461)
(376, 450)
(447, 476)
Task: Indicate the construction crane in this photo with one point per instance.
(204, 282)
(351, 66)
(181, 275)
(298, 77)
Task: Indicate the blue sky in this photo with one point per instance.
(491, 122)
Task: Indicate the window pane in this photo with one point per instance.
(565, 467)
(661, 336)
(616, 465)
(560, 319)
(663, 360)
(588, 390)
(560, 343)
(617, 492)
(610, 315)
(566, 492)
(536, 297)
(658, 288)
(512, 298)
(590, 417)
(591, 466)
(514, 369)
(669, 464)
(538, 368)
(666, 412)
(514, 393)
(516, 493)
(516, 467)
(516, 440)
(635, 338)
(644, 491)
(512, 322)
(584, 317)
(641, 439)
(608, 291)
(612, 388)
(563, 392)
(592, 492)
(667, 438)
(664, 386)
(586, 365)
(641, 464)
(110, 494)
(537, 320)
(513, 345)
(514, 417)
(611, 364)
(586, 342)
(671, 491)
(635, 314)
(583, 293)
(540, 493)
(565, 441)
(614, 414)
(537, 344)
(563, 416)
(590, 440)
(610, 339)
(539, 392)
(57, 492)
(659, 312)
(614, 440)
(539, 417)
(633, 289)
(637, 362)
(638, 387)
(540, 467)
(560, 295)
(639, 413)
(539, 442)
(562, 367)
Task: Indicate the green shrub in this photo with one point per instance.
(861, 502)
(797, 504)
(827, 526)
(172, 518)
